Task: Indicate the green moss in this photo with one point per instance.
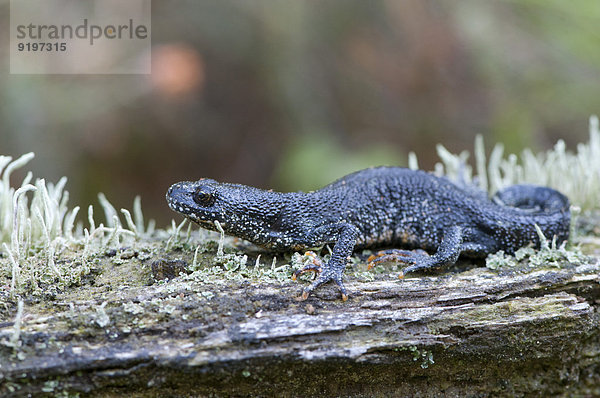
(421, 356)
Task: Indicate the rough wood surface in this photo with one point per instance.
(471, 333)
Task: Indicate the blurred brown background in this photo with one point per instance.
(293, 94)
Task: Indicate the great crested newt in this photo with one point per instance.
(378, 207)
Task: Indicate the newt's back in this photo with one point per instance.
(398, 206)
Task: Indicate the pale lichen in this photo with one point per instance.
(575, 174)
(41, 243)
(549, 255)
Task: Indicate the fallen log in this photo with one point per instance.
(475, 332)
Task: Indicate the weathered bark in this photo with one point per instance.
(470, 333)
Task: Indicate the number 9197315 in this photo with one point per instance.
(40, 46)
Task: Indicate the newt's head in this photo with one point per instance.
(242, 211)
(196, 200)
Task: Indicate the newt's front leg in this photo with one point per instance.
(345, 236)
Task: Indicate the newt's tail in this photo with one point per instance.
(547, 207)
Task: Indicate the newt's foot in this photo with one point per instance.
(419, 259)
(324, 275)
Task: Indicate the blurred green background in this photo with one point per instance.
(293, 94)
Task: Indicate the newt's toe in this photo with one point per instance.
(304, 295)
(315, 265)
(391, 256)
(322, 278)
(416, 260)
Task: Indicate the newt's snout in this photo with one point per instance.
(179, 198)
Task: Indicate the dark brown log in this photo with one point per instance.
(471, 333)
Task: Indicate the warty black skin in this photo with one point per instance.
(384, 206)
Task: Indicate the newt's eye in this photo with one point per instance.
(203, 198)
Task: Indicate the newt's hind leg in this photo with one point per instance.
(447, 253)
